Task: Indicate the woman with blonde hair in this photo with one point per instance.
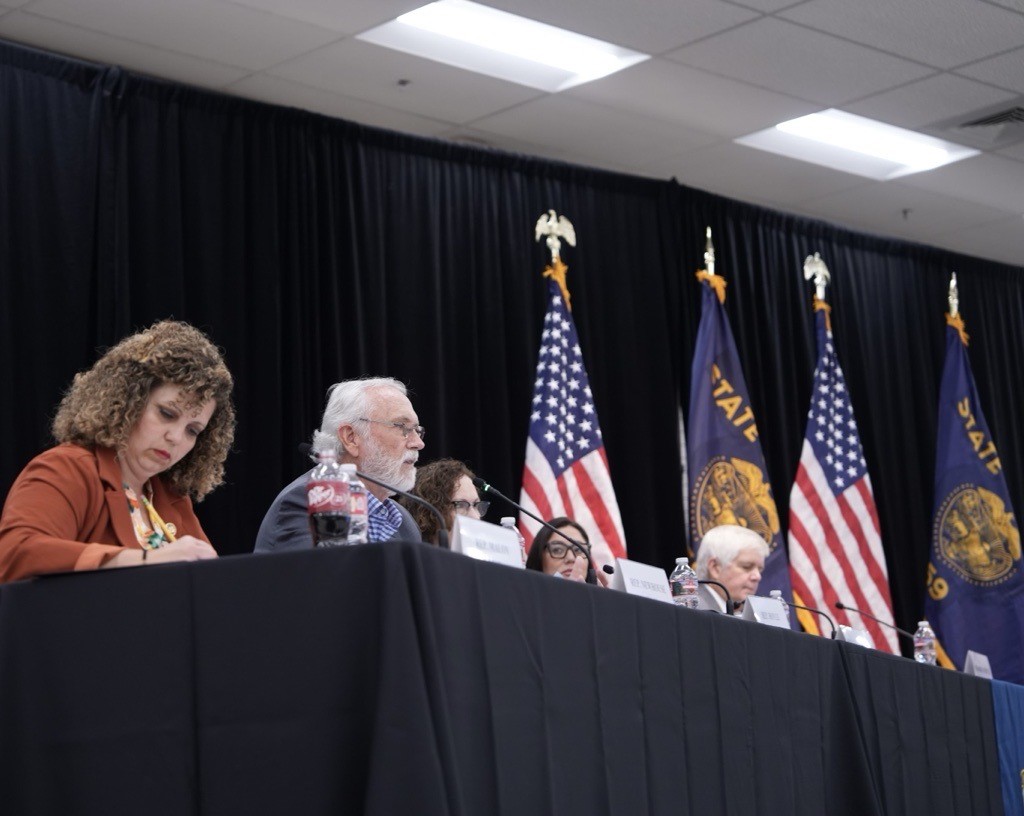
(140, 434)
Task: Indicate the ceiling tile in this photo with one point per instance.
(751, 175)
(651, 26)
(594, 133)
(1001, 241)
(986, 179)
(218, 31)
(372, 73)
(1006, 70)
(927, 101)
(768, 6)
(89, 45)
(793, 60)
(692, 98)
(903, 211)
(345, 17)
(278, 91)
(1013, 152)
(940, 33)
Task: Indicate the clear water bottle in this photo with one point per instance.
(777, 595)
(924, 643)
(327, 499)
(510, 523)
(358, 522)
(683, 582)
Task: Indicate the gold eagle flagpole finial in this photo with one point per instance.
(707, 274)
(556, 227)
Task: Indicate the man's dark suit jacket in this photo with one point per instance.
(286, 525)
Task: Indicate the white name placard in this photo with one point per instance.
(635, 578)
(765, 610)
(851, 634)
(977, 664)
(486, 542)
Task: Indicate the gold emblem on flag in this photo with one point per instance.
(976, 535)
(734, 491)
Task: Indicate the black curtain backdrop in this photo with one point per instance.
(314, 250)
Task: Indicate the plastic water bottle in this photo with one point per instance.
(683, 582)
(924, 643)
(510, 523)
(777, 595)
(327, 498)
(358, 522)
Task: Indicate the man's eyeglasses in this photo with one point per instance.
(559, 551)
(462, 507)
(419, 430)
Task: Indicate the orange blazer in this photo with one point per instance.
(67, 510)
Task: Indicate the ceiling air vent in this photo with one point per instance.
(989, 129)
(1006, 117)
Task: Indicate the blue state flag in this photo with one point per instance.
(975, 587)
(728, 479)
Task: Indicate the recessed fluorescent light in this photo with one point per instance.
(854, 144)
(482, 39)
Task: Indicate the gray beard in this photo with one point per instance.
(377, 464)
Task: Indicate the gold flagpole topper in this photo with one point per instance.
(556, 227)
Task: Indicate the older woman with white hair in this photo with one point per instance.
(734, 557)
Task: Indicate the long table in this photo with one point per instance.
(401, 679)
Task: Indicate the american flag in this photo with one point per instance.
(566, 471)
(835, 547)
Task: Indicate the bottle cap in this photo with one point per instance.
(325, 454)
(349, 467)
(508, 521)
(683, 560)
(922, 623)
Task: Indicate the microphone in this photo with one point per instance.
(442, 529)
(904, 632)
(608, 569)
(482, 486)
(729, 604)
(831, 622)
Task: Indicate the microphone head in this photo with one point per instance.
(305, 448)
(840, 605)
(608, 569)
(480, 484)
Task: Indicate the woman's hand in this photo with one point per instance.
(579, 569)
(186, 548)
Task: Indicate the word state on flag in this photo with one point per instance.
(975, 584)
(729, 483)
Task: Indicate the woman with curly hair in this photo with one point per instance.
(448, 485)
(141, 434)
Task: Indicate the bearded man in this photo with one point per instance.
(372, 424)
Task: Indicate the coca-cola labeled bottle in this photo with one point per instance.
(327, 497)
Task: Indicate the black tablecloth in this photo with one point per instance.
(390, 679)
